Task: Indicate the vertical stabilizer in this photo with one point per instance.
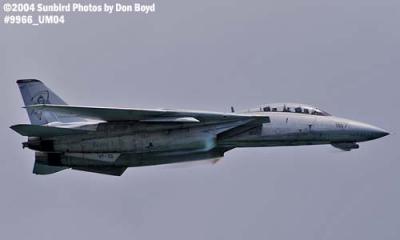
(33, 92)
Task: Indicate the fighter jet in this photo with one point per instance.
(109, 140)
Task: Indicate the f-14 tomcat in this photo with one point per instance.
(109, 140)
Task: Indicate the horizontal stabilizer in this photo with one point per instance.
(108, 170)
(44, 169)
(44, 131)
(48, 163)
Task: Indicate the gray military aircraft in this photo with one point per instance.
(109, 140)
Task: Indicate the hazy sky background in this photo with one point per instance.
(342, 56)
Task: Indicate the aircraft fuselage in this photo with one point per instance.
(284, 129)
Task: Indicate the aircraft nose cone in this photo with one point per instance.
(379, 132)
(372, 132)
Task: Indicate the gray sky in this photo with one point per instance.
(342, 56)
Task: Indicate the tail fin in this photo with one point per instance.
(35, 92)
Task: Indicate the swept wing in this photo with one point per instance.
(145, 115)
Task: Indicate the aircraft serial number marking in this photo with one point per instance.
(341, 125)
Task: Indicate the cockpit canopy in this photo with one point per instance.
(290, 107)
